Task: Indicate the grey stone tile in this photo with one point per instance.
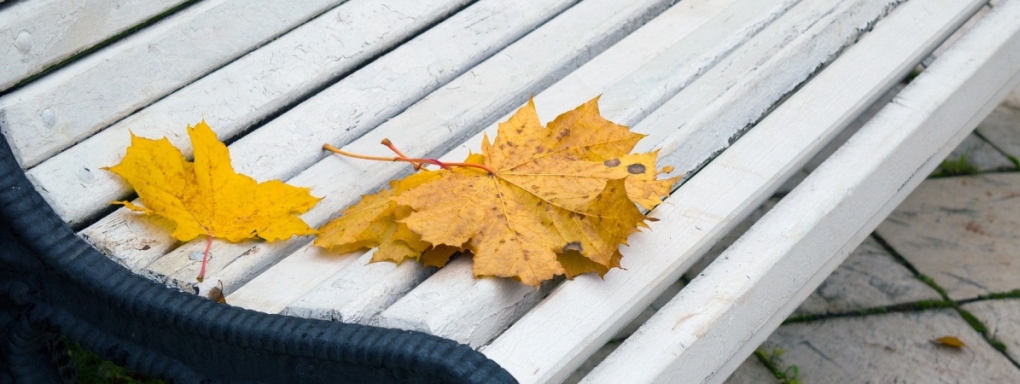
(981, 155)
(751, 371)
(1002, 129)
(870, 277)
(891, 348)
(1002, 317)
(963, 232)
(1013, 99)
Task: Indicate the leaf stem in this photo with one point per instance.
(417, 162)
(205, 257)
(389, 144)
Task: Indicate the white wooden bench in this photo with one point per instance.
(737, 94)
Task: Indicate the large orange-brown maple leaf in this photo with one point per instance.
(542, 201)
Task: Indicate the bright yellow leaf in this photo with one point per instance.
(206, 197)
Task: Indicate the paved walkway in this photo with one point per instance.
(946, 263)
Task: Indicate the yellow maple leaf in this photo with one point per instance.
(206, 197)
(537, 202)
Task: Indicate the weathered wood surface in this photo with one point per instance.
(35, 35)
(706, 330)
(694, 76)
(579, 316)
(271, 79)
(430, 127)
(622, 59)
(287, 145)
(483, 303)
(56, 111)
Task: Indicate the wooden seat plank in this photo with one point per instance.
(342, 112)
(35, 35)
(774, 62)
(791, 250)
(47, 116)
(579, 316)
(428, 128)
(361, 281)
(278, 74)
(487, 299)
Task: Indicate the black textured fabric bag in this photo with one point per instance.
(53, 283)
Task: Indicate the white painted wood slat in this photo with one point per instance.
(430, 127)
(246, 91)
(56, 111)
(352, 295)
(359, 102)
(708, 329)
(35, 35)
(579, 316)
(465, 308)
(773, 62)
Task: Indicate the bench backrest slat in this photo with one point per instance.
(42, 33)
(119, 79)
(247, 91)
(619, 61)
(729, 187)
(849, 195)
(287, 145)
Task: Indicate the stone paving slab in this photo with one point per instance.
(1002, 129)
(890, 348)
(1002, 317)
(976, 152)
(751, 371)
(963, 232)
(1013, 99)
(869, 278)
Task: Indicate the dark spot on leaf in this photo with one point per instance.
(636, 169)
(573, 246)
(611, 162)
(563, 133)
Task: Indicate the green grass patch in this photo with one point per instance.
(931, 283)
(958, 167)
(1016, 162)
(773, 361)
(1014, 294)
(973, 321)
(92, 369)
(930, 304)
(997, 344)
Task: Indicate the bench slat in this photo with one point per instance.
(359, 102)
(466, 308)
(275, 76)
(579, 316)
(360, 282)
(48, 116)
(35, 35)
(428, 128)
(809, 233)
(774, 62)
